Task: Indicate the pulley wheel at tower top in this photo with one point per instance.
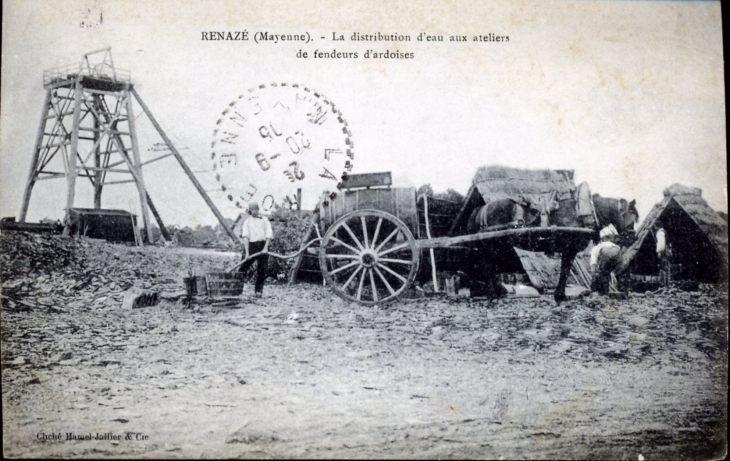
(369, 257)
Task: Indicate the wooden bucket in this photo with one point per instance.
(195, 286)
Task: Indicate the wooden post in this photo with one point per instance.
(299, 202)
(430, 250)
(134, 232)
(36, 155)
(138, 167)
(98, 174)
(72, 170)
(187, 169)
(120, 146)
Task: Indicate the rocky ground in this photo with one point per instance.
(300, 373)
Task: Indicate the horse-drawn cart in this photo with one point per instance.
(369, 242)
(368, 252)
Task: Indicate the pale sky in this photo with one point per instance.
(630, 95)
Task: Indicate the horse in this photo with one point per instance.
(617, 211)
(506, 213)
(500, 214)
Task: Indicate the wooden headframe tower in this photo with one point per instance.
(88, 123)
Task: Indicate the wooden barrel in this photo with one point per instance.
(398, 201)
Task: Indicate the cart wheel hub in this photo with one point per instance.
(369, 259)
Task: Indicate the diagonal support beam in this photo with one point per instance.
(163, 229)
(143, 195)
(187, 169)
(72, 171)
(33, 174)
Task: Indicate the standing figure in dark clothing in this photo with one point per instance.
(256, 234)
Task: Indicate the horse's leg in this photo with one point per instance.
(566, 262)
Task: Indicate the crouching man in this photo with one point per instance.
(605, 259)
(256, 234)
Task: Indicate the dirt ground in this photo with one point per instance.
(301, 373)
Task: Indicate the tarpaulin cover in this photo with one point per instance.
(538, 187)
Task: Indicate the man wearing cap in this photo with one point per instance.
(605, 258)
(256, 234)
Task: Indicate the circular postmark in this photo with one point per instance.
(276, 139)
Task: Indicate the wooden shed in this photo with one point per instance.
(113, 225)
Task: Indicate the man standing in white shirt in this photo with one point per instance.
(605, 258)
(662, 254)
(256, 234)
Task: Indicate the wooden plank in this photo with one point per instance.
(109, 170)
(49, 176)
(367, 180)
(445, 242)
(110, 93)
(61, 115)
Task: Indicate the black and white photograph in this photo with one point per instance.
(386, 229)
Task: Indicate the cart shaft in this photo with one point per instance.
(522, 232)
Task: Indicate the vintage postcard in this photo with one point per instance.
(348, 229)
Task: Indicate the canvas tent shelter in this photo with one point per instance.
(697, 234)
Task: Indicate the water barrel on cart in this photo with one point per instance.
(398, 201)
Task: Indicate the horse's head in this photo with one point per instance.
(631, 215)
(619, 212)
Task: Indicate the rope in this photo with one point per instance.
(276, 255)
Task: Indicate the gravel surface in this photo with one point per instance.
(301, 373)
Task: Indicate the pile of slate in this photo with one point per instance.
(663, 327)
(67, 274)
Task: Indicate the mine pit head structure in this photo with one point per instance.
(87, 131)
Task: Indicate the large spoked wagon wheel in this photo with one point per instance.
(369, 257)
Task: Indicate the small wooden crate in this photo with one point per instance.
(224, 284)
